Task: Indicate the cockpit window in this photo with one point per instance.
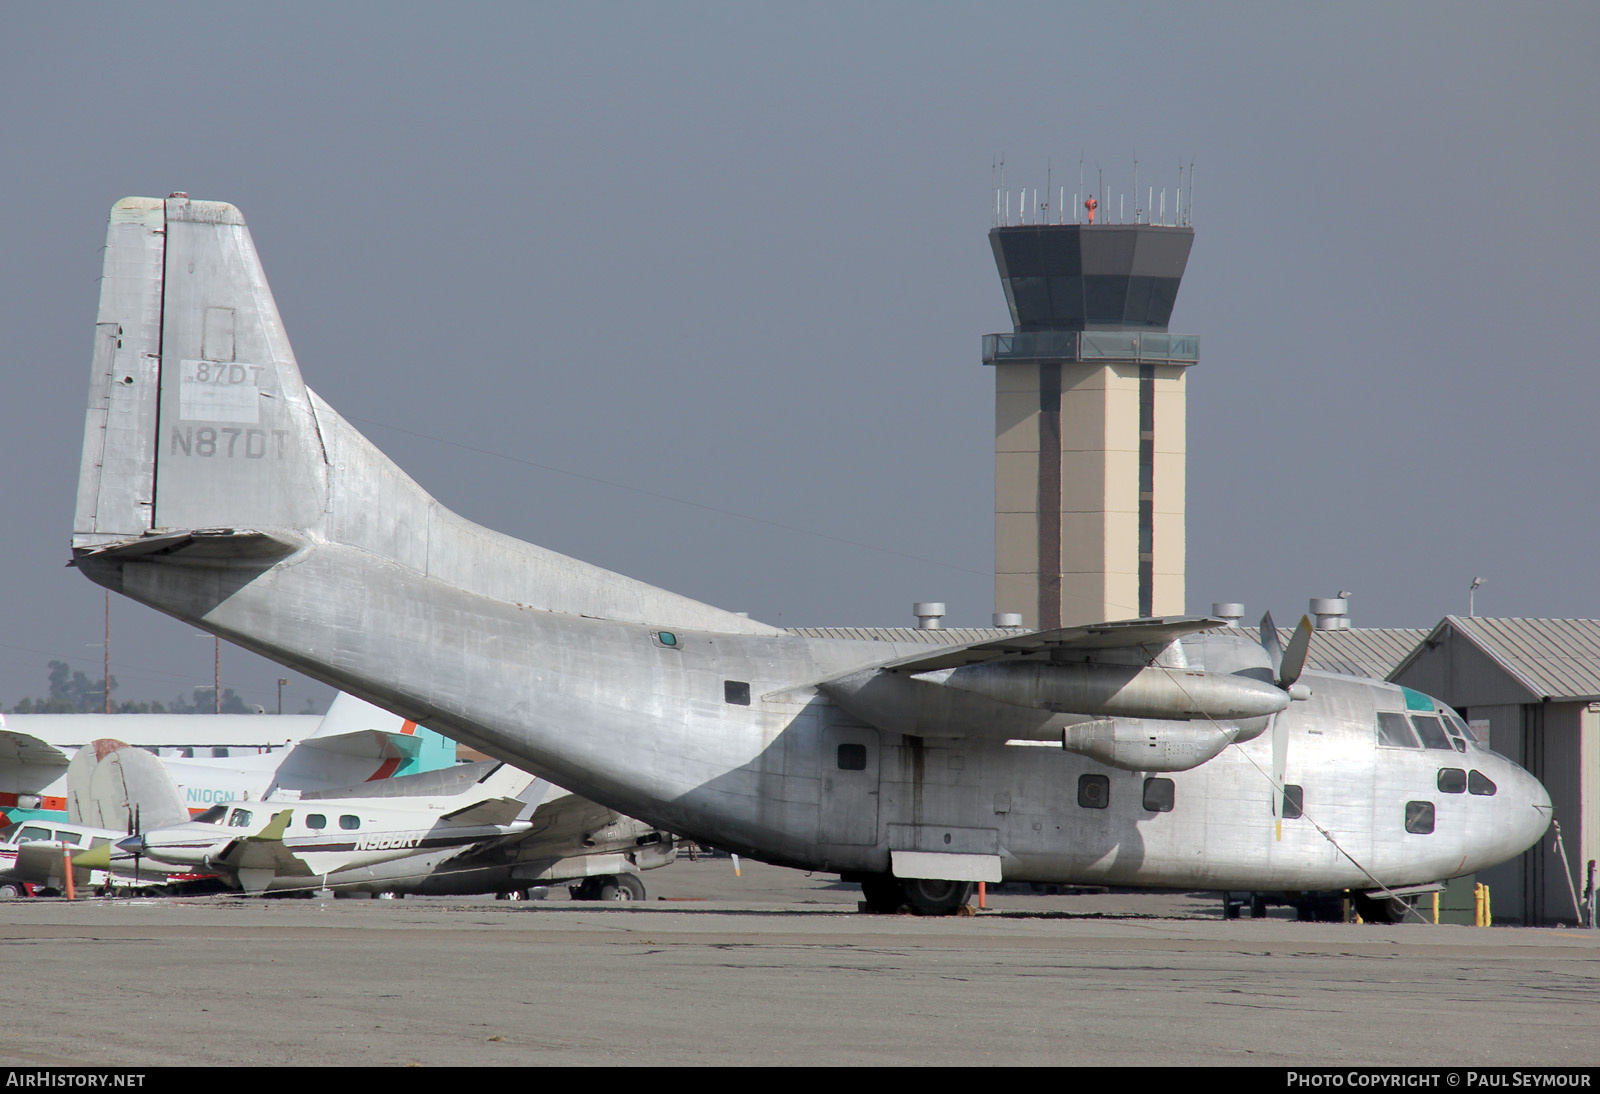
(1452, 780)
(1394, 731)
(1430, 730)
(32, 833)
(1480, 784)
(239, 819)
(1459, 730)
(213, 815)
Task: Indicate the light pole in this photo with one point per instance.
(1474, 588)
(282, 680)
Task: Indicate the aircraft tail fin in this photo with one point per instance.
(202, 438)
(198, 418)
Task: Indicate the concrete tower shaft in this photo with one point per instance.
(1089, 422)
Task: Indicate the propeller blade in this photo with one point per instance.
(1294, 658)
(1269, 642)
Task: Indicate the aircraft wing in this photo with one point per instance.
(258, 858)
(564, 825)
(26, 750)
(487, 811)
(1151, 634)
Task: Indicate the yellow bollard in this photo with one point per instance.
(1435, 909)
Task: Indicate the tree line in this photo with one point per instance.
(73, 692)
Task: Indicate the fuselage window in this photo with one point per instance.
(852, 757)
(1452, 780)
(239, 819)
(316, 820)
(219, 753)
(736, 692)
(349, 822)
(1431, 732)
(1094, 791)
(1395, 731)
(1480, 784)
(1158, 795)
(69, 837)
(1419, 818)
(1294, 801)
(31, 834)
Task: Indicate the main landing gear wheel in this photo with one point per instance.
(1380, 909)
(609, 887)
(886, 895)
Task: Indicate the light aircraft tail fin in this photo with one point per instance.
(202, 438)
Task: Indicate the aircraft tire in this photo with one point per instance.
(1377, 909)
(11, 891)
(887, 895)
(882, 894)
(633, 884)
(929, 897)
(612, 889)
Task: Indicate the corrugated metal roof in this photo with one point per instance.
(1373, 652)
(1551, 658)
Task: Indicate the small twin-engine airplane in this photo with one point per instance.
(261, 846)
(218, 488)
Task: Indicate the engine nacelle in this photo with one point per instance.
(1153, 744)
(1130, 691)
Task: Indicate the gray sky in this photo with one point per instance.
(736, 255)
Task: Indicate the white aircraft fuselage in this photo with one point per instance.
(218, 489)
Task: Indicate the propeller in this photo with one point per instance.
(1287, 665)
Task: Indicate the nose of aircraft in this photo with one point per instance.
(133, 845)
(1527, 809)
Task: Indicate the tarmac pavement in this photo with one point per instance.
(777, 967)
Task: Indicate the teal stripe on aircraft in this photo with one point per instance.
(1415, 700)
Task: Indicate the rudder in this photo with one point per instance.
(198, 417)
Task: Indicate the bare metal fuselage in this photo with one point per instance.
(608, 711)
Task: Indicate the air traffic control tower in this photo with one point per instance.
(1089, 422)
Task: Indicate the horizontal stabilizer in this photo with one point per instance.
(27, 750)
(205, 543)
